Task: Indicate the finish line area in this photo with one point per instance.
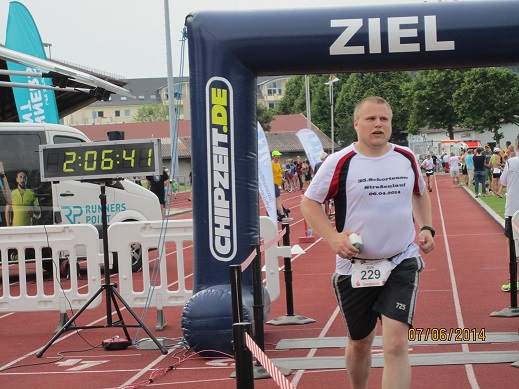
(459, 289)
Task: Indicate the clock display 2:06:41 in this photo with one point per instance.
(126, 159)
(105, 160)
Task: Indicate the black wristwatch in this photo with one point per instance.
(428, 228)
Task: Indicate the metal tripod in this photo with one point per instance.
(111, 295)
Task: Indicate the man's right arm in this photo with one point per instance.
(316, 217)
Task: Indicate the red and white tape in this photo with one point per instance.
(245, 264)
(267, 364)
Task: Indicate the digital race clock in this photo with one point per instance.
(100, 160)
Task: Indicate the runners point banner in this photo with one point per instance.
(33, 105)
(229, 50)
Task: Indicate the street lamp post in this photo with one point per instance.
(330, 83)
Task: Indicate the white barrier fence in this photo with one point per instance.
(26, 250)
(67, 241)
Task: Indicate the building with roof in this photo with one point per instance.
(282, 137)
(120, 109)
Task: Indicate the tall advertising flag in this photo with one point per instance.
(33, 105)
(312, 145)
(265, 176)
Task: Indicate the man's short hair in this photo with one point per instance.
(372, 99)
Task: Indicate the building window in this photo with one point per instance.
(117, 113)
(272, 105)
(127, 113)
(100, 114)
(141, 97)
(123, 98)
(274, 88)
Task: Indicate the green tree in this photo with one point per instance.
(487, 99)
(429, 100)
(357, 86)
(264, 116)
(152, 113)
(294, 100)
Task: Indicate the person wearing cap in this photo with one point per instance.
(277, 172)
(381, 197)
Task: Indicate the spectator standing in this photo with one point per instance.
(322, 157)
(307, 171)
(488, 154)
(469, 163)
(463, 167)
(510, 179)
(156, 184)
(444, 160)
(345, 175)
(298, 167)
(454, 168)
(496, 164)
(480, 172)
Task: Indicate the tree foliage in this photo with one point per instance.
(487, 99)
(152, 113)
(429, 98)
(439, 99)
(264, 116)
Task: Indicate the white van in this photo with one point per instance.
(68, 202)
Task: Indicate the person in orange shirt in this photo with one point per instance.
(277, 172)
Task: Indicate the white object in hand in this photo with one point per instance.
(356, 241)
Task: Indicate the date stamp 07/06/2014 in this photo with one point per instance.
(440, 334)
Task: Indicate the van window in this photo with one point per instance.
(61, 139)
(19, 153)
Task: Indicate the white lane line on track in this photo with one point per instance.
(323, 333)
(459, 317)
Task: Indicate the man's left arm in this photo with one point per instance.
(423, 217)
(35, 211)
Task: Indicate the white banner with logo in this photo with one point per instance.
(312, 145)
(265, 176)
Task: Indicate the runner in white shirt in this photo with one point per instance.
(510, 180)
(378, 192)
(428, 166)
(454, 168)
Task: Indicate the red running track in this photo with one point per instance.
(460, 287)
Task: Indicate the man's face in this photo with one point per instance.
(276, 158)
(21, 179)
(373, 125)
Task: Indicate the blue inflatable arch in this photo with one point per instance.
(228, 50)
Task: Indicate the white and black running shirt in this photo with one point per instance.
(373, 198)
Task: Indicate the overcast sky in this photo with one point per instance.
(127, 37)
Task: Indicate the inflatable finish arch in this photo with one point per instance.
(228, 50)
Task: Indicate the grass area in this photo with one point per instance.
(494, 202)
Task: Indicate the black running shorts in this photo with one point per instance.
(361, 307)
